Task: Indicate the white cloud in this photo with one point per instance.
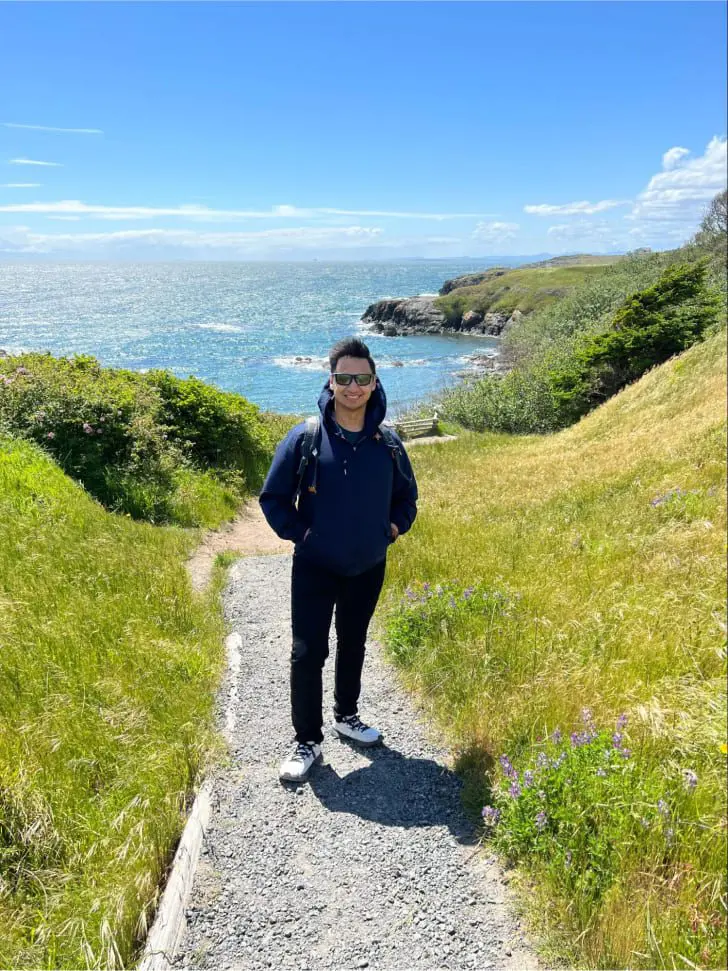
(75, 131)
(672, 156)
(21, 185)
(495, 232)
(20, 239)
(204, 213)
(575, 208)
(31, 161)
(680, 193)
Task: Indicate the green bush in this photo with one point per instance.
(157, 447)
(218, 429)
(592, 808)
(652, 326)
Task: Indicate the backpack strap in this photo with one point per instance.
(393, 445)
(309, 450)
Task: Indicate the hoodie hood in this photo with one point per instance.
(376, 407)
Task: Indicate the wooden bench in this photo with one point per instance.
(412, 427)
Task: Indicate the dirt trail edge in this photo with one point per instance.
(371, 864)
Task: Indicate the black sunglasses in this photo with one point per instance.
(344, 380)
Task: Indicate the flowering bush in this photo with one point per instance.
(586, 806)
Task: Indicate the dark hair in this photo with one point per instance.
(350, 347)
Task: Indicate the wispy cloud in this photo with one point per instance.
(495, 232)
(203, 213)
(575, 208)
(20, 239)
(73, 131)
(21, 185)
(31, 161)
(680, 193)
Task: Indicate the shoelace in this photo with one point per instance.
(303, 751)
(353, 721)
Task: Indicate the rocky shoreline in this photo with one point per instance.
(407, 316)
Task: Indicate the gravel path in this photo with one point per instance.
(371, 863)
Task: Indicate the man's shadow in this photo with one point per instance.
(396, 790)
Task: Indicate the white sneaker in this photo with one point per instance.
(296, 766)
(351, 726)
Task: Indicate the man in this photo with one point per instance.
(357, 495)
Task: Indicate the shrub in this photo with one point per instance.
(592, 809)
(652, 326)
(218, 429)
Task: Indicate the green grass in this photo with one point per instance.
(108, 669)
(600, 554)
(524, 289)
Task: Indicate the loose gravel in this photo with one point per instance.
(369, 864)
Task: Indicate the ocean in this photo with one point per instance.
(260, 329)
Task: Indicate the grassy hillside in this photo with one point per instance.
(524, 288)
(108, 667)
(575, 584)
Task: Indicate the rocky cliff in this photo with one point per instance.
(419, 315)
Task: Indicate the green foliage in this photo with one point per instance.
(108, 671)
(591, 810)
(153, 446)
(523, 288)
(653, 325)
(218, 429)
(606, 541)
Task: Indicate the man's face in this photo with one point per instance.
(353, 396)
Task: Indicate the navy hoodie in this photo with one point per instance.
(344, 526)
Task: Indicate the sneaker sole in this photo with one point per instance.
(355, 741)
(300, 778)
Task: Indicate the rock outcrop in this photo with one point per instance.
(410, 315)
(419, 315)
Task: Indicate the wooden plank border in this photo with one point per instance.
(169, 922)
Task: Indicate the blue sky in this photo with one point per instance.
(357, 130)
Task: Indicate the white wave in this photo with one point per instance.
(14, 350)
(303, 362)
(223, 328)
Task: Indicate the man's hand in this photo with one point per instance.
(395, 531)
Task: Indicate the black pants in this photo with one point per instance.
(315, 592)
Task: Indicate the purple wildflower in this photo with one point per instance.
(662, 807)
(508, 767)
(587, 716)
(51, 435)
(490, 815)
(542, 760)
(528, 778)
(452, 601)
(426, 587)
(556, 736)
(621, 721)
(468, 593)
(438, 590)
(617, 739)
(690, 778)
(87, 428)
(515, 790)
(541, 820)
(625, 752)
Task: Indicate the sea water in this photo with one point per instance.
(260, 329)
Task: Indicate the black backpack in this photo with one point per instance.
(310, 450)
